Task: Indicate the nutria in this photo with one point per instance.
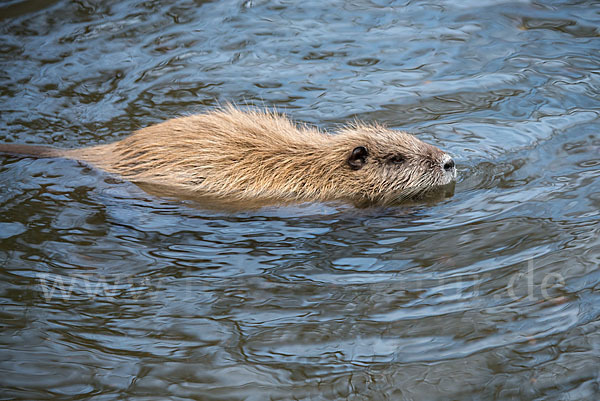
(247, 155)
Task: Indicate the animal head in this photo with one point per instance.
(393, 163)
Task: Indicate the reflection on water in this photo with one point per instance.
(208, 201)
(113, 292)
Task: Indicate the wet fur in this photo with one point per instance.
(241, 155)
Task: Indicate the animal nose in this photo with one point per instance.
(449, 165)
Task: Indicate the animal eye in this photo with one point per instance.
(396, 159)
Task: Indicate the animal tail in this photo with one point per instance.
(37, 151)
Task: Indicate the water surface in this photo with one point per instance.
(110, 292)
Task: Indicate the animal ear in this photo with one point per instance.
(358, 158)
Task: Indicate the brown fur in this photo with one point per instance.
(258, 155)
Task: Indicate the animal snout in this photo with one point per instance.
(448, 164)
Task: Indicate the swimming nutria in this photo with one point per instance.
(247, 155)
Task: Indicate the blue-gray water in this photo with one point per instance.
(109, 292)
